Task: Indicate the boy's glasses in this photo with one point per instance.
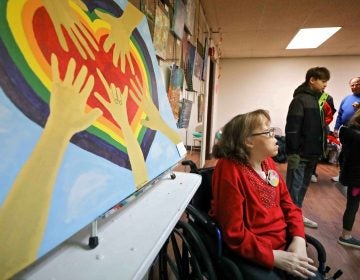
(269, 133)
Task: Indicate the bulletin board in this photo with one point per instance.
(84, 119)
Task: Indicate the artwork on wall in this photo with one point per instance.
(178, 19)
(206, 59)
(201, 107)
(175, 88)
(185, 113)
(84, 119)
(199, 60)
(190, 59)
(161, 32)
(190, 16)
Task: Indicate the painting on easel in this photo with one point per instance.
(84, 119)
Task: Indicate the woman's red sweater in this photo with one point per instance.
(254, 216)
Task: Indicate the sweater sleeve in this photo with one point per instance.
(230, 199)
(294, 121)
(338, 122)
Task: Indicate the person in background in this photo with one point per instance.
(326, 103)
(305, 135)
(261, 226)
(350, 176)
(346, 109)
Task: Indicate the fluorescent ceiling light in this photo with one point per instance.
(310, 38)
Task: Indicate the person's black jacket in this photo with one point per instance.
(305, 126)
(350, 156)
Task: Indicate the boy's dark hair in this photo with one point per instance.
(318, 73)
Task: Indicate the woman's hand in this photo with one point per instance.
(294, 264)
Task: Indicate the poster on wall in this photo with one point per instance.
(206, 60)
(185, 113)
(189, 64)
(190, 16)
(178, 19)
(199, 60)
(161, 32)
(175, 88)
(84, 119)
(201, 107)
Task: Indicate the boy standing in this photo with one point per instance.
(305, 134)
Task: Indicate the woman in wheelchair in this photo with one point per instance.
(262, 228)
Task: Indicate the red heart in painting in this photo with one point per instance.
(44, 29)
(95, 139)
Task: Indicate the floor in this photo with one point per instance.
(324, 203)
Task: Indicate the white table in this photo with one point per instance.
(129, 239)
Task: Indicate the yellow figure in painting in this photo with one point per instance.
(154, 121)
(76, 30)
(23, 215)
(120, 31)
(117, 108)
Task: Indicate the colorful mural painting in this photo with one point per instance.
(84, 122)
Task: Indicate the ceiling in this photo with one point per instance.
(263, 28)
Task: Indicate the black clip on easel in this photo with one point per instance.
(93, 239)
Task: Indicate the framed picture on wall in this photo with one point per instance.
(178, 19)
(199, 60)
(206, 59)
(201, 107)
(175, 89)
(189, 66)
(161, 32)
(190, 16)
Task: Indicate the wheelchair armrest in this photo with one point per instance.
(201, 217)
(193, 167)
(321, 253)
(206, 223)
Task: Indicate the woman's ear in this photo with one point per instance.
(249, 143)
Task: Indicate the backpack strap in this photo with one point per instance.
(322, 99)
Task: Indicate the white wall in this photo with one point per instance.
(269, 83)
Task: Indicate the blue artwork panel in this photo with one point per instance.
(84, 119)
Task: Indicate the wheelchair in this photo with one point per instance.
(195, 248)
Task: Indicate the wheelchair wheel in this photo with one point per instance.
(184, 256)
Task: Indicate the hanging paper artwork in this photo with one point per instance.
(201, 107)
(161, 32)
(199, 60)
(185, 113)
(178, 19)
(84, 119)
(190, 59)
(206, 60)
(175, 89)
(190, 16)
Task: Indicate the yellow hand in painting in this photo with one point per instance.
(154, 120)
(69, 97)
(117, 104)
(118, 110)
(63, 15)
(29, 198)
(119, 35)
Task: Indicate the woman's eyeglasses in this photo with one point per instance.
(269, 133)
